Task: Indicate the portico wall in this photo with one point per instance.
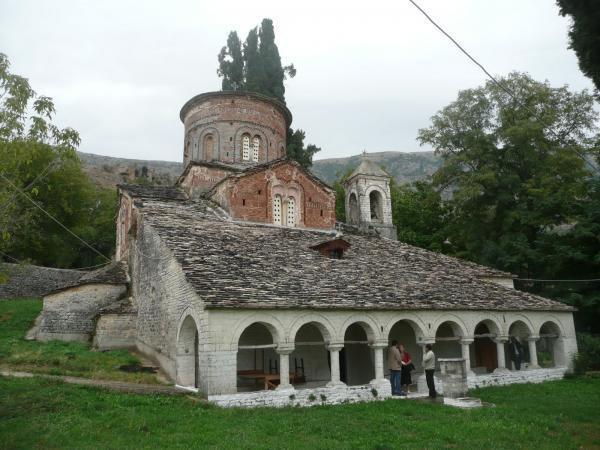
(226, 326)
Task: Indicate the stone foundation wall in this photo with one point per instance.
(304, 397)
(70, 315)
(115, 331)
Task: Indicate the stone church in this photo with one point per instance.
(240, 284)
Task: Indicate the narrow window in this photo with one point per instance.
(209, 146)
(291, 212)
(277, 210)
(243, 202)
(255, 148)
(245, 147)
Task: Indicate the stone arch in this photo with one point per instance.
(187, 370)
(457, 324)
(270, 322)
(448, 332)
(376, 206)
(408, 333)
(250, 131)
(353, 214)
(516, 350)
(366, 322)
(550, 346)
(520, 326)
(201, 141)
(310, 361)
(321, 322)
(484, 355)
(552, 319)
(357, 365)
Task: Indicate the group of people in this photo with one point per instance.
(401, 365)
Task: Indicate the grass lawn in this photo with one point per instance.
(56, 358)
(41, 413)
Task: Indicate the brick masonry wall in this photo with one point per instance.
(227, 118)
(71, 315)
(250, 198)
(34, 281)
(200, 179)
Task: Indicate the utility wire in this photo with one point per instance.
(41, 175)
(53, 218)
(499, 84)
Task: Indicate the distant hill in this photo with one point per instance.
(107, 171)
(404, 167)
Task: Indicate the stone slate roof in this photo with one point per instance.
(113, 273)
(242, 265)
(34, 281)
(369, 168)
(163, 192)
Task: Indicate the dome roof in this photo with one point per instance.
(369, 168)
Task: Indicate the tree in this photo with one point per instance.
(419, 215)
(514, 176)
(39, 159)
(262, 72)
(231, 64)
(584, 35)
(296, 149)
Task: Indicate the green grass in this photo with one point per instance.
(40, 413)
(56, 358)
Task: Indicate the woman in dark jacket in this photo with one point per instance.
(407, 366)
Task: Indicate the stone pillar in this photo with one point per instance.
(284, 368)
(454, 377)
(500, 341)
(334, 353)
(533, 359)
(378, 350)
(466, 355)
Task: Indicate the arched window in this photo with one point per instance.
(245, 147)
(209, 145)
(277, 210)
(376, 203)
(255, 148)
(353, 209)
(291, 212)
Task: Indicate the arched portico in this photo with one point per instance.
(408, 333)
(310, 363)
(256, 356)
(447, 340)
(516, 349)
(550, 346)
(357, 364)
(187, 353)
(485, 354)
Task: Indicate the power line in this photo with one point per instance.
(499, 84)
(559, 281)
(35, 180)
(53, 218)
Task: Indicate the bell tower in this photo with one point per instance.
(368, 199)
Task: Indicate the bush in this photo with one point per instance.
(588, 356)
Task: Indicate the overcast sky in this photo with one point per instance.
(370, 74)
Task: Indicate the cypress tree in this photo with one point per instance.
(231, 64)
(253, 69)
(273, 74)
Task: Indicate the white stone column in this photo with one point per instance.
(378, 350)
(284, 368)
(500, 341)
(466, 354)
(334, 353)
(533, 359)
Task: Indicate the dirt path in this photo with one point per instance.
(120, 386)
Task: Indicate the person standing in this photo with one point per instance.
(429, 367)
(395, 365)
(407, 366)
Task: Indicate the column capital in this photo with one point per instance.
(335, 346)
(533, 338)
(467, 340)
(426, 340)
(501, 339)
(379, 344)
(284, 350)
